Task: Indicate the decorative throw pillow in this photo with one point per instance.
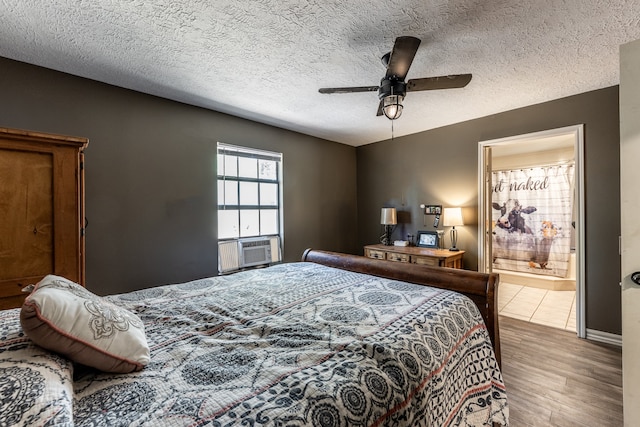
(64, 317)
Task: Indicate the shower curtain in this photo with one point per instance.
(532, 219)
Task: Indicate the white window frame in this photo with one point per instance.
(246, 152)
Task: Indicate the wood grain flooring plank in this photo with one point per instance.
(555, 379)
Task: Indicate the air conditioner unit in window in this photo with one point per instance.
(248, 252)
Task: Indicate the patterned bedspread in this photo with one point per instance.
(290, 345)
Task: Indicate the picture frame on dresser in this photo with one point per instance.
(427, 239)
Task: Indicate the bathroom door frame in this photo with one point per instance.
(485, 263)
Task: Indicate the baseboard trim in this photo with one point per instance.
(604, 337)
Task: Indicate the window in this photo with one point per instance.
(249, 192)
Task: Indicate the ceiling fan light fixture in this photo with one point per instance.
(392, 106)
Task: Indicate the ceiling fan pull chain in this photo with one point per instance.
(392, 130)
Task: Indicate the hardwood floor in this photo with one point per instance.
(553, 378)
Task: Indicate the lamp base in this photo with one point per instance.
(386, 237)
(454, 239)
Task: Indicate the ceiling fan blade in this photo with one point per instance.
(349, 89)
(380, 105)
(442, 82)
(404, 50)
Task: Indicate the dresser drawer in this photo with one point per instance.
(398, 257)
(416, 255)
(372, 253)
(433, 262)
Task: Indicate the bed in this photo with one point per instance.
(333, 340)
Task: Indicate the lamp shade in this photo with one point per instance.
(388, 216)
(452, 217)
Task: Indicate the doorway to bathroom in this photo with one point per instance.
(531, 224)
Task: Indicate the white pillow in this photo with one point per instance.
(64, 317)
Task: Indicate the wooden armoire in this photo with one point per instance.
(41, 210)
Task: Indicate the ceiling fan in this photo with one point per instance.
(393, 88)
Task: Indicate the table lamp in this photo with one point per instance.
(388, 218)
(453, 217)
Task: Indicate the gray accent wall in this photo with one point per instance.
(151, 176)
(440, 166)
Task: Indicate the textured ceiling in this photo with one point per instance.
(265, 59)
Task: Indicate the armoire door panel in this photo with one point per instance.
(26, 191)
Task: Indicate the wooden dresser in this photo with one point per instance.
(41, 210)
(416, 255)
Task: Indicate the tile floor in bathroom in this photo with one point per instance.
(551, 308)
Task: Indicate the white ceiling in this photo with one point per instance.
(266, 59)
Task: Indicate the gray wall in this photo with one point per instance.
(441, 167)
(151, 176)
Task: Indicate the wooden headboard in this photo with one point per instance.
(481, 288)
